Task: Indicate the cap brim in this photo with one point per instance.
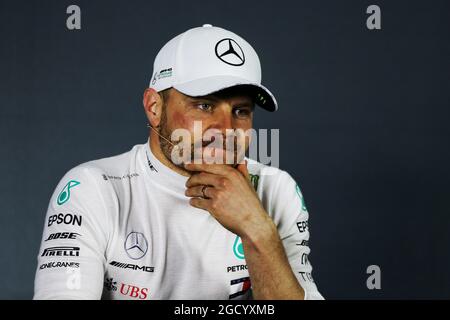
(201, 87)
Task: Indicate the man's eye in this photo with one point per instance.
(204, 106)
(242, 113)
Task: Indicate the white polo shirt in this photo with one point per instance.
(122, 228)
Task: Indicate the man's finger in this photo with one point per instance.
(203, 179)
(194, 191)
(200, 191)
(210, 168)
(199, 203)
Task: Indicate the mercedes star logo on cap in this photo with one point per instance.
(136, 245)
(230, 52)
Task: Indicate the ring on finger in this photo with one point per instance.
(203, 192)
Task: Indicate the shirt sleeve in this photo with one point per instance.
(291, 217)
(71, 259)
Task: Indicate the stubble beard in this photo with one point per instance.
(167, 148)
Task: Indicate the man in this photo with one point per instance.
(143, 225)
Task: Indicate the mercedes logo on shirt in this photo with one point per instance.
(230, 52)
(136, 245)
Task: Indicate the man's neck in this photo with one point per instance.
(155, 147)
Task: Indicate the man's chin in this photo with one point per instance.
(215, 156)
(220, 156)
(210, 156)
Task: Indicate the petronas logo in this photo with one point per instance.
(297, 188)
(64, 195)
(238, 248)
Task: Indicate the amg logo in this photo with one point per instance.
(61, 251)
(131, 266)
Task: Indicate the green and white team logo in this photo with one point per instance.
(238, 248)
(254, 179)
(297, 188)
(64, 195)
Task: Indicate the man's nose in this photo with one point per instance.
(223, 118)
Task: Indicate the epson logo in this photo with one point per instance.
(67, 218)
(61, 252)
(63, 235)
(302, 226)
(131, 266)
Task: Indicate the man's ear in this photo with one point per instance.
(152, 106)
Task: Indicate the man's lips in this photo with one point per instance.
(207, 142)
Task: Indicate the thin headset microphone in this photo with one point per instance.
(159, 134)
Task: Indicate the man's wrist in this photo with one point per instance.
(260, 234)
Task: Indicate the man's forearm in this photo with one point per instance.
(270, 273)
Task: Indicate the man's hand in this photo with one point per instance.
(233, 202)
(230, 197)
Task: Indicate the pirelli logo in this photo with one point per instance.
(61, 252)
(131, 266)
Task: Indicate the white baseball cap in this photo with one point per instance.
(207, 59)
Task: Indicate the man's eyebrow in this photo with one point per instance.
(244, 104)
(208, 97)
(214, 98)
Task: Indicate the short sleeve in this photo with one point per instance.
(71, 259)
(289, 207)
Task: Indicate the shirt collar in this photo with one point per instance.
(161, 173)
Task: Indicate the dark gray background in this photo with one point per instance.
(363, 122)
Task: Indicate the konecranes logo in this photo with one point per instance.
(64, 195)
